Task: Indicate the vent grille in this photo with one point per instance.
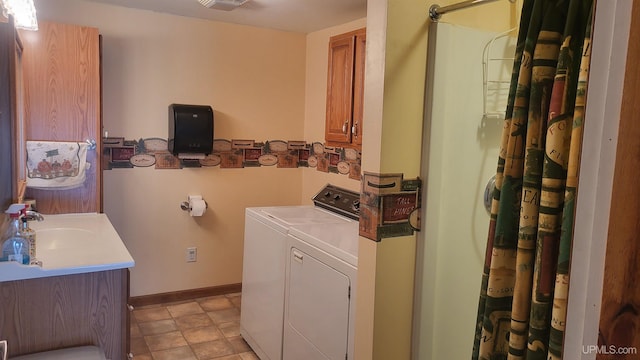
(222, 4)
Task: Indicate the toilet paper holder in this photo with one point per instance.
(185, 206)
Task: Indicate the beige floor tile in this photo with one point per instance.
(193, 321)
(215, 303)
(135, 330)
(235, 299)
(151, 314)
(139, 346)
(157, 327)
(184, 309)
(180, 353)
(142, 357)
(229, 357)
(165, 341)
(230, 329)
(226, 315)
(202, 334)
(212, 349)
(238, 344)
(210, 325)
(249, 356)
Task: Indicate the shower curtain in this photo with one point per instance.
(523, 298)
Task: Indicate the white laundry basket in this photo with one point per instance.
(75, 353)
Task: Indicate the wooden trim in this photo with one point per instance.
(355, 32)
(620, 309)
(183, 295)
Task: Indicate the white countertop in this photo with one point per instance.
(72, 244)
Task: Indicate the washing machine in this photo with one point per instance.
(321, 277)
(265, 262)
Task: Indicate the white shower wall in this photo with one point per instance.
(459, 157)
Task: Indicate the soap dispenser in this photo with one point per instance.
(30, 235)
(15, 247)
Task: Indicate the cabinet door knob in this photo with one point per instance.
(345, 126)
(130, 307)
(354, 129)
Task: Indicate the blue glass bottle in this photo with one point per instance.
(15, 247)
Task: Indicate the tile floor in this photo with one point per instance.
(200, 329)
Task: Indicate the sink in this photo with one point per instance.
(71, 244)
(63, 238)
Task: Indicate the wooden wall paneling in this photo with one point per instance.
(62, 103)
(620, 310)
(7, 50)
(65, 311)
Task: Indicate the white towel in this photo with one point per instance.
(56, 165)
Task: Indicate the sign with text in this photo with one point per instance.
(389, 206)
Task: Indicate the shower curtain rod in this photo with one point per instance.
(435, 11)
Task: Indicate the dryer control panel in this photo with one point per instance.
(341, 201)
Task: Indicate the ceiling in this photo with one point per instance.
(302, 16)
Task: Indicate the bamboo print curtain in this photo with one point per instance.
(522, 307)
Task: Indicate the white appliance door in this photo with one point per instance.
(317, 310)
(263, 271)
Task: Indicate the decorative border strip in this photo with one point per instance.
(232, 154)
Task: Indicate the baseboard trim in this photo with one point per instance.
(183, 295)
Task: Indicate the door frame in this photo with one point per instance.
(591, 230)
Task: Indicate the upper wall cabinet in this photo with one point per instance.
(61, 69)
(345, 88)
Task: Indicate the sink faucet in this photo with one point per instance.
(33, 215)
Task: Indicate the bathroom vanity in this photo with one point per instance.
(79, 294)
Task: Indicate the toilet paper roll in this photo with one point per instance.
(197, 207)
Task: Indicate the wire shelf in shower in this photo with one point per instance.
(496, 74)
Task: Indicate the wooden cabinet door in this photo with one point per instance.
(358, 89)
(56, 312)
(345, 88)
(61, 65)
(339, 90)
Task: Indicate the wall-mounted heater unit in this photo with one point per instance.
(226, 5)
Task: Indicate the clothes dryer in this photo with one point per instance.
(264, 266)
(321, 278)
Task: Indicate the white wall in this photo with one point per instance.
(253, 78)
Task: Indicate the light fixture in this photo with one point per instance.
(226, 5)
(23, 12)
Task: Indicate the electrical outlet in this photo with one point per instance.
(192, 254)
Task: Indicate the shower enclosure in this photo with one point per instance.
(467, 70)
(459, 157)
